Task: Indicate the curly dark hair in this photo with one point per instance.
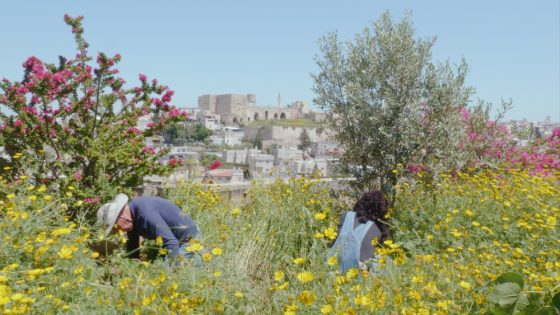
(372, 206)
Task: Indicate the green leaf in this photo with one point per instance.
(511, 277)
(556, 301)
(546, 310)
(509, 294)
(497, 311)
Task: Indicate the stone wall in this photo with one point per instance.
(284, 136)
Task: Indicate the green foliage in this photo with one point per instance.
(257, 141)
(74, 125)
(199, 132)
(389, 104)
(509, 298)
(181, 133)
(260, 246)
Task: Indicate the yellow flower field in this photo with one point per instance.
(449, 242)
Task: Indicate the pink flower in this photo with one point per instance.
(148, 149)
(78, 175)
(413, 168)
(18, 122)
(92, 200)
(174, 113)
(142, 77)
(134, 130)
(464, 113)
(157, 102)
(167, 96)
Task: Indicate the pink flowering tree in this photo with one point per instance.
(73, 126)
(484, 140)
(541, 156)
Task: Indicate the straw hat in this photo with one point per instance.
(108, 213)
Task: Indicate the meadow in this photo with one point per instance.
(450, 242)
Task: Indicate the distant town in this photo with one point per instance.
(264, 142)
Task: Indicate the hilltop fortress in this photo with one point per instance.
(239, 108)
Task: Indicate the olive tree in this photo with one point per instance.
(389, 105)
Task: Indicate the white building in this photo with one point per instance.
(209, 120)
(260, 165)
(226, 176)
(308, 167)
(282, 155)
(324, 149)
(155, 142)
(227, 137)
(180, 153)
(233, 137)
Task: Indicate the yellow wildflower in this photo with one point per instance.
(307, 297)
(299, 261)
(195, 247)
(305, 276)
(278, 276)
(320, 216)
(326, 309)
(330, 233)
(465, 285)
(65, 252)
(333, 260)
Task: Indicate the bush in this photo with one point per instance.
(75, 125)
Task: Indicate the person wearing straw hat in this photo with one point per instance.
(149, 217)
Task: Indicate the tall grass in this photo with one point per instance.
(267, 255)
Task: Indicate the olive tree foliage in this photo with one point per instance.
(389, 106)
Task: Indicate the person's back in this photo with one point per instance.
(358, 237)
(371, 237)
(155, 216)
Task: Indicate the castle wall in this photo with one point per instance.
(285, 136)
(239, 108)
(207, 102)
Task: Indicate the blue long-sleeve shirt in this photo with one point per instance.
(155, 216)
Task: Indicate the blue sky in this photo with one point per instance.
(268, 47)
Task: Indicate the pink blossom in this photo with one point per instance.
(167, 96)
(148, 149)
(18, 122)
(157, 101)
(174, 113)
(151, 124)
(92, 200)
(78, 175)
(142, 77)
(413, 168)
(464, 113)
(134, 130)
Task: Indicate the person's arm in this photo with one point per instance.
(133, 245)
(158, 227)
